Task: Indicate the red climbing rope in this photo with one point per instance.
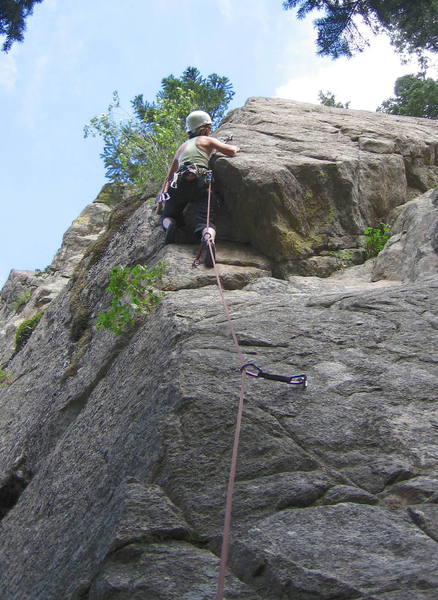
(230, 491)
(245, 369)
(234, 456)
(235, 452)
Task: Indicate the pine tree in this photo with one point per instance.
(13, 15)
(412, 25)
(139, 149)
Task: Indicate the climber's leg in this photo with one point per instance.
(169, 226)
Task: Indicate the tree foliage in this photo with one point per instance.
(415, 96)
(328, 99)
(139, 148)
(212, 94)
(13, 14)
(412, 25)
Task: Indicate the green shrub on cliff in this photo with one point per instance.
(375, 239)
(20, 302)
(134, 293)
(343, 257)
(328, 99)
(25, 330)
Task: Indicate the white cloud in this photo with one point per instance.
(8, 72)
(365, 80)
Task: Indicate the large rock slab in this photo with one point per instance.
(153, 413)
(343, 551)
(309, 179)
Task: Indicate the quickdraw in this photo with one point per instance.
(163, 197)
(300, 379)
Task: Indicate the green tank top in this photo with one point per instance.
(193, 154)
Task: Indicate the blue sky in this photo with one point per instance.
(77, 52)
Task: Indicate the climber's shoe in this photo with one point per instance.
(170, 233)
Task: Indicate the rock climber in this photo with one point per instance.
(187, 181)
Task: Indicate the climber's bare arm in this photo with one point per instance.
(209, 144)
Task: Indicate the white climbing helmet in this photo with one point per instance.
(196, 119)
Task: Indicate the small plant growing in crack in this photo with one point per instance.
(5, 377)
(134, 293)
(25, 330)
(19, 303)
(375, 239)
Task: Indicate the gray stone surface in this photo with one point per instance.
(412, 251)
(115, 452)
(309, 178)
(342, 551)
(426, 517)
(159, 407)
(28, 292)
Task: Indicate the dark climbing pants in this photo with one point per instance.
(196, 193)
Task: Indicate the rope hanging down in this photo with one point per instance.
(246, 369)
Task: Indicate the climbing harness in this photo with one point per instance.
(251, 370)
(188, 171)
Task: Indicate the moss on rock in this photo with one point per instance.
(25, 330)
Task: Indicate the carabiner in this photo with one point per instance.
(300, 379)
(258, 369)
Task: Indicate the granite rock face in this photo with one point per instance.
(83, 231)
(27, 292)
(412, 251)
(116, 450)
(311, 178)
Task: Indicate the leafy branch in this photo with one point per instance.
(138, 147)
(136, 151)
(134, 293)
